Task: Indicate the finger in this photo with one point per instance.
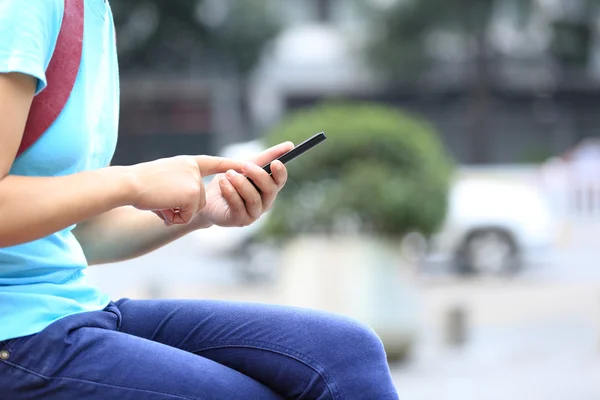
(201, 203)
(181, 216)
(252, 199)
(267, 188)
(234, 200)
(279, 173)
(210, 165)
(271, 154)
(162, 217)
(168, 216)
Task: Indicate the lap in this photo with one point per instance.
(75, 359)
(198, 325)
(196, 350)
(298, 352)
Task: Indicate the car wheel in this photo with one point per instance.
(491, 252)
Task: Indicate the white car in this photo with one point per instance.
(492, 226)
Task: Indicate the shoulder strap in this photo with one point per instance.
(61, 75)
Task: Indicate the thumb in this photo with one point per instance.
(210, 165)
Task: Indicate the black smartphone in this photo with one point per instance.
(299, 150)
(296, 152)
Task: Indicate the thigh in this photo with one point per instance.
(94, 361)
(299, 353)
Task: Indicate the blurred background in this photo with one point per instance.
(455, 207)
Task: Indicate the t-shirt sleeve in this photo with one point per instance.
(28, 33)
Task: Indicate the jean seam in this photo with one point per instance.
(266, 346)
(48, 378)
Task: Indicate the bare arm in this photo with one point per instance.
(125, 233)
(35, 207)
(32, 207)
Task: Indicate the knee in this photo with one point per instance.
(350, 338)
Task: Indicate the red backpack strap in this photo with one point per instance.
(61, 75)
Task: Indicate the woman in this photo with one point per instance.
(62, 208)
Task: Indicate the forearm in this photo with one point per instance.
(125, 233)
(34, 207)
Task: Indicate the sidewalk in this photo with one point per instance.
(525, 343)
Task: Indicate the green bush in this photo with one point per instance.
(382, 170)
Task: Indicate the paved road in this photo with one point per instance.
(535, 337)
(527, 341)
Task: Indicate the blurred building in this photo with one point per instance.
(536, 107)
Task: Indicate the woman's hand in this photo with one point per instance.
(232, 200)
(173, 188)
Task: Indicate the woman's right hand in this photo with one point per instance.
(172, 187)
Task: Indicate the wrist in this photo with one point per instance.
(202, 220)
(124, 184)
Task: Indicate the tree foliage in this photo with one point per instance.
(180, 35)
(405, 27)
(383, 169)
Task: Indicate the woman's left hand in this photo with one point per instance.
(232, 200)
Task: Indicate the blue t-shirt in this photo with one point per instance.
(43, 281)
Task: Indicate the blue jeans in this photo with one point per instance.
(197, 350)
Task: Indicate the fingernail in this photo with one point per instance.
(231, 173)
(277, 165)
(247, 166)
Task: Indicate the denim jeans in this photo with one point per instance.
(197, 350)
